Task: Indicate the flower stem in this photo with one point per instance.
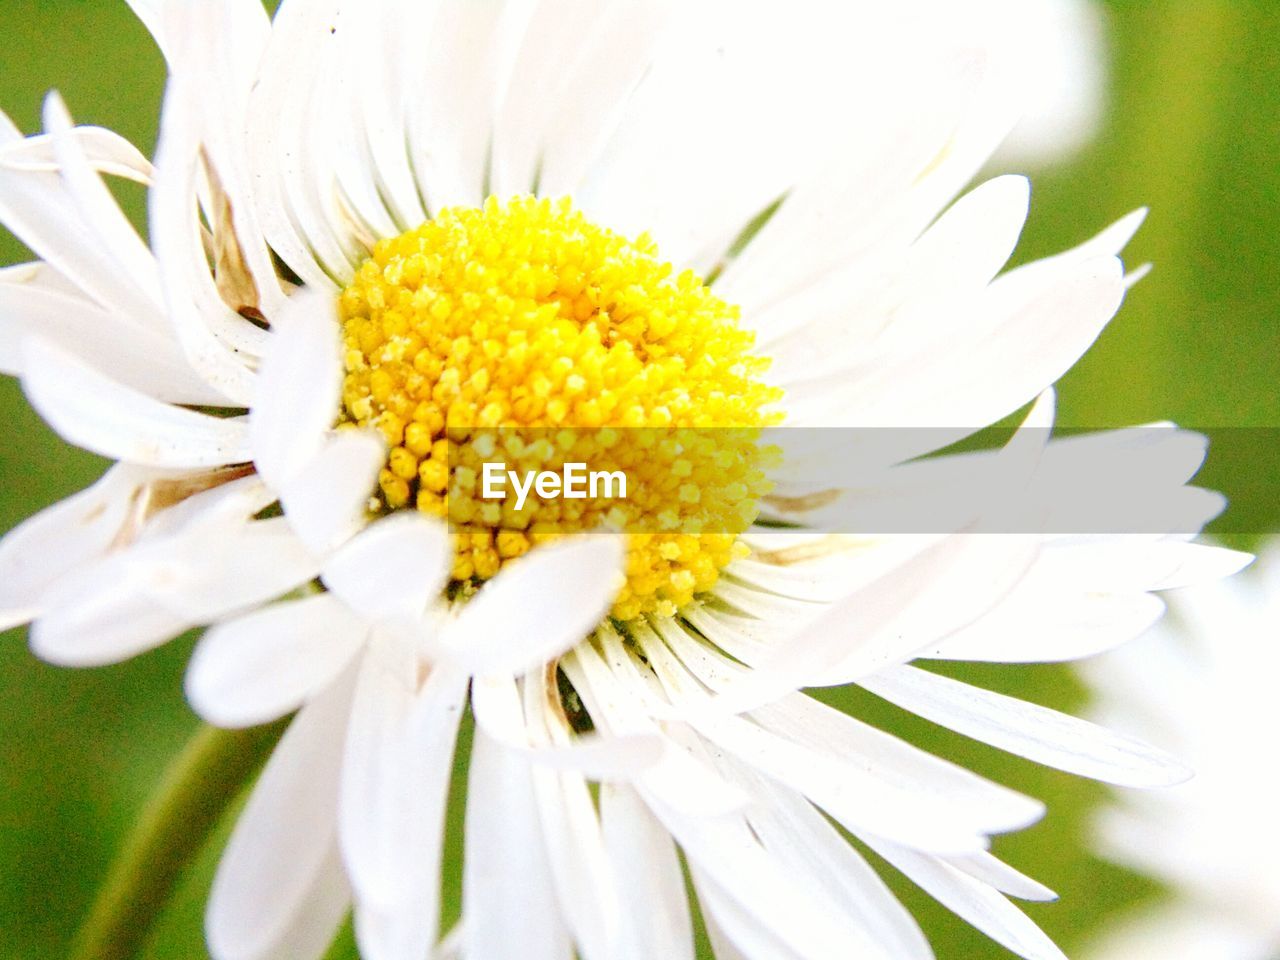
(201, 783)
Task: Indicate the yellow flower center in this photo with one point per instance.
(523, 333)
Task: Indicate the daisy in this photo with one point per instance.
(237, 234)
(373, 225)
(1201, 682)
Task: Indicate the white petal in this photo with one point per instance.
(810, 849)
(138, 598)
(933, 594)
(933, 133)
(282, 849)
(1131, 480)
(391, 44)
(552, 37)
(1037, 625)
(268, 663)
(582, 877)
(327, 503)
(973, 901)
(106, 150)
(668, 168)
(722, 948)
(399, 757)
(468, 53)
(100, 630)
(392, 570)
(296, 400)
(805, 721)
(213, 62)
(1133, 563)
(973, 240)
(94, 412)
(1109, 243)
(315, 925)
(337, 136)
(644, 858)
(136, 356)
(507, 894)
(752, 898)
(374, 775)
(98, 208)
(675, 169)
(614, 697)
(739, 934)
(495, 701)
(78, 530)
(1037, 733)
(877, 787)
(237, 569)
(1006, 348)
(1196, 563)
(293, 140)
(39, 209)
(890, 292)
(569, 85)
(536, 610)
(217, 341)
(846, 791)
(995, 873)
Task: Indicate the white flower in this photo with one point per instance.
(360, 168)
(148, 357)
(1203, 682)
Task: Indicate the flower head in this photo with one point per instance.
(388, 239)
(523, 325)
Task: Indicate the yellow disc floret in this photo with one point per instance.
(522, 333)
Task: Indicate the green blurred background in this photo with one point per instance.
(1192, 131)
